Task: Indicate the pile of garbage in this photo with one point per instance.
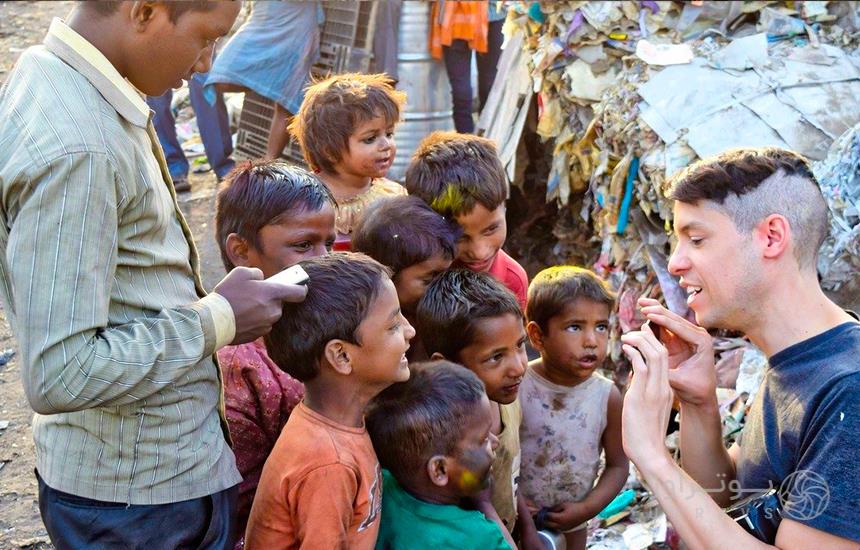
(839, 258)
(630, 92)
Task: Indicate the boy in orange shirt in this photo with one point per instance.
(321, 486)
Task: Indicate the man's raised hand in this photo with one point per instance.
(257, 304)
(690, 350)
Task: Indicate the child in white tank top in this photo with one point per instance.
(570, 413)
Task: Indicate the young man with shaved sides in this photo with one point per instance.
(749, 224)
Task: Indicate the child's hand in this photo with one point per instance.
(563, 517)
(533, 508)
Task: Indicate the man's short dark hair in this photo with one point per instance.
(750, 184)
(555, 287)
(341, 290)
(175, 8)
(403, 231)
(261, 193)
(454, 172)
(412, 421)
(453, 305)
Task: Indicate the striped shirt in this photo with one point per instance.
(100, 283)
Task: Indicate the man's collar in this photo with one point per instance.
(85, 58)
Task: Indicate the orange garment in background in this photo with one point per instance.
(467, 21)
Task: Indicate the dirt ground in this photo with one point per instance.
(24, 24)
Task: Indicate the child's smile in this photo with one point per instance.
(497, 355)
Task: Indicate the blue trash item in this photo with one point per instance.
(618, 504)
(535, 13)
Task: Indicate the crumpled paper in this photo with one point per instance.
(620, 124)
(839, 256)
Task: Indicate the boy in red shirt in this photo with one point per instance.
(460, 176)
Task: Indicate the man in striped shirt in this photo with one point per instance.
(100, 282)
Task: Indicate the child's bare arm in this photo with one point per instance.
(617, 465)
(529, 539)
(569, 515)
(485, 506)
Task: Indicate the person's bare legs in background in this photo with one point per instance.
(278, 136)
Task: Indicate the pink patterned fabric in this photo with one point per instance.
(259, 398)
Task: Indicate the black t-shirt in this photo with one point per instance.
(803, 432)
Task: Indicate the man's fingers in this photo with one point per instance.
(679, 326)
(643, 302)
(650, 337)
(287, 293)
(647, 344)
(640, 370)
(246, 273)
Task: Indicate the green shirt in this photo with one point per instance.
(414, 524)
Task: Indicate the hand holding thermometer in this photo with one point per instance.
(293, 275)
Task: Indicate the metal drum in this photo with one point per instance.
(428, 93)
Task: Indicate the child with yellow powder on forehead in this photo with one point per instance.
(345, 127)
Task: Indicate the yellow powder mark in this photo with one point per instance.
(451, 200)
(468, 481)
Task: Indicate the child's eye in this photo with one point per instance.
(490, 230)
(495, 358)
(602, 327)
(696, 240)
(329, 244)
(303, 246)
(573, 328)
(369, 140)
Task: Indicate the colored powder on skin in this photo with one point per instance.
(468, 481)
(450, 201)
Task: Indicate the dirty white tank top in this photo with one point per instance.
(560, 437)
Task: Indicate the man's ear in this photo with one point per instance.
(142, 14)
(535, 335)
(437, 469)
(237, 249)
(774, 233)
(337, 354)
